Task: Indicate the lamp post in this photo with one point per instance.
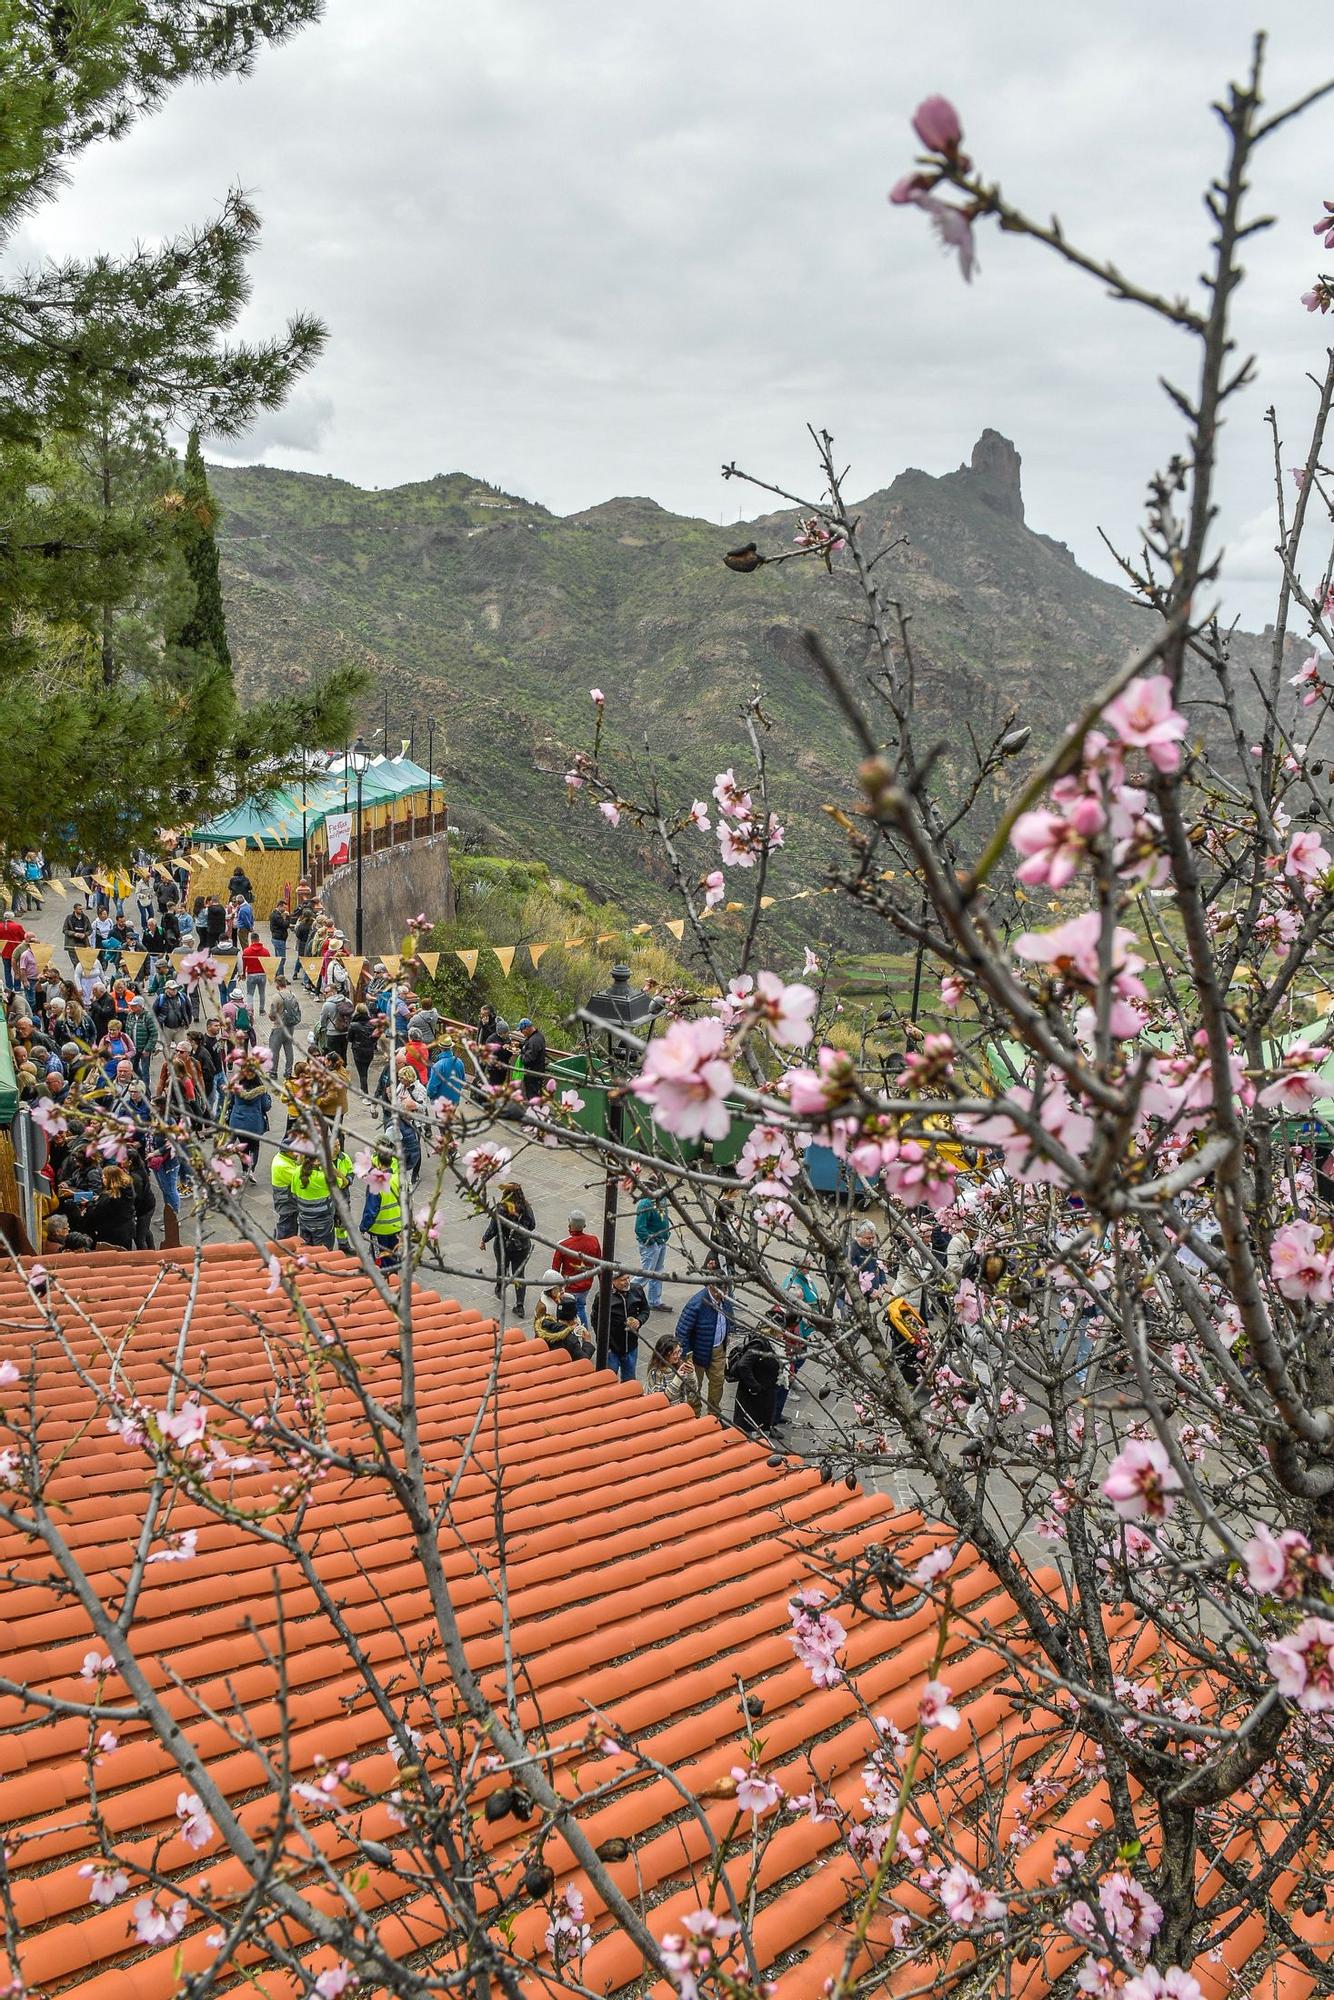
(622, 1006)
(305, 859)
(360, 759)
(430, 772)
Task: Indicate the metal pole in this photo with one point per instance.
(609, 1194)
(917, 967)
(386, 722)
(359, 861)
(305, 859)
(430, 770)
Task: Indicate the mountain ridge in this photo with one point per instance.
(498, 616)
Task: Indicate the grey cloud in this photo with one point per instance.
(303, 425)
(586, 249)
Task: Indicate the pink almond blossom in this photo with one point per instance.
(1303, 1665)
(1143, 718)
(185, 1426)
(686, 1078)
(754, 1792)
(1307, 857)
(611, 812)
(965, 1901)
(1142, 1483)
(104, 1884)
(196, 1826)
(154, 1925)
(935, 1710)
(1269, 1561)
(1171, 1984)
(1298, 1265)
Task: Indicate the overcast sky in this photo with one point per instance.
(583, 249)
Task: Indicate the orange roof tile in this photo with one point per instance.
(650, 1559)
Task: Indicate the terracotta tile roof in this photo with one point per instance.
(651, 1557)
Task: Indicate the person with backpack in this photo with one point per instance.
(754, 1366)
(510, 1229)
(172, 1006)
(285, 1018)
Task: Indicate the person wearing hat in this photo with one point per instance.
(707, 1322)
(572, 1261)
(172, 1006)
(549, 1297)
(533, 1051)
(560, 1330)
(143, 1032)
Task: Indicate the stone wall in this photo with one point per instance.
(397, 884)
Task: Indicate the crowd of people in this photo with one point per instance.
(122, 1032)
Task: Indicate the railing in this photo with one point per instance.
(413, 826)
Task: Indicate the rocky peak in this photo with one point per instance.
(995, 466)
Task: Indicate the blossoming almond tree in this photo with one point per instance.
(1130, 1357)
(1093, 1177)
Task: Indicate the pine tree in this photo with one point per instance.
(115, 679)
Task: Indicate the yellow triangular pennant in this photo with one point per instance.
(270, 965)
(87, 958)
(677, 927)
(535, 952)
(133, 962)
(734, 906)
(42, 953)
(236, 846)
(607, 936)
(573, 944)
(640, 930)
(354, 967)
(392, 963)
(59, 887)
(311, 967)
(469, 958)
(505, 954)
(766, 902)
(430, 959)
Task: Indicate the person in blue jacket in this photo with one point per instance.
(445, 1080)
(706, 1323)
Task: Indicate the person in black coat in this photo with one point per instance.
(145, 1201)
(110, 1218)
(626, 1314)
(533, 1049)
(755, 1368)
(510, 1231)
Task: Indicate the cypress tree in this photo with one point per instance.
(204, 627)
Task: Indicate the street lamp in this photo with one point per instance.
(360, 759)
(621, 1007)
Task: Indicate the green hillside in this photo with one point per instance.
(498, 617)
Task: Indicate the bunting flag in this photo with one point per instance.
(469, 959)
(355, 968)
(607, 936)
(87, 958)
(312, 968)
(677, 927)
(505, 955)
(430, 959)
(133, 962)
(236, 846)
(269, 964)
(642, 930)
(59, 887)
(42, 951)
(535, 952)
(160, 869)
(392, 962)
(766, 902)
(573, 944)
